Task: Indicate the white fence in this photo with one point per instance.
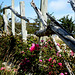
(21, 15)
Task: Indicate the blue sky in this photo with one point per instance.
(59, 7)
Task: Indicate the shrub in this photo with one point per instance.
(25, 56)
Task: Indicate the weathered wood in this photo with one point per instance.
(13, 19)
(57, 47)
(56, 23)
(68, 67)
(5, 21)
(22, 11)
(45, 32)
(67, 38)
(43, 8)
(16, 13)
(39, 13)
(63, 34)
(72, 2)
(66, 63)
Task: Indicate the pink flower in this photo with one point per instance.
(45, 45)
(59, 55)
(66, 73)
(54, 61)
(50, 59)
(49, 73)
(37, 45)
(40, 60)
(25, 59)
(32, 48)
(45, 42)
(2, 68)
(72, 53)
(61, 74)
(33, 44)
(22, 51)
(50, 47)
(60, 64)
(28, 60)
(58, 51)
(52, 65)
(15, 70)
(48, 40)
(58, 44)
(21, 63)
(42, 40)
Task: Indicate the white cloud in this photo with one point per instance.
(58, 4)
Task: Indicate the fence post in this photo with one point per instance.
(13, 19)
(43, 7)
(23, 23)
(5, 21)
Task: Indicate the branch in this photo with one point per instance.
(55, 27)
(39, 13)
(67, 38)
(45, 32)
(16, 13)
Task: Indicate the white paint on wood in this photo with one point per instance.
(43, 7)
(57, 47)
(22, 11)
(13, 19)
(5, 21)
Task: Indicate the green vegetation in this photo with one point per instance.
(67, 23)
(25, 57)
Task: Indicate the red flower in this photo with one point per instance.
(50, 47)
(54, 61)
(58, 44)
(37, 45)
(52, 65)
(66, 73)
(40, 60)
(72, 53)
(59, 55)
(49, 73)
(42, 40)
(28, 60)
(22, 51)
(61, 74)
(60, 64)
(50, 59)
(32, 48)
(2, 68)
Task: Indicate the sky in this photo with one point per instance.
(59, 8)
